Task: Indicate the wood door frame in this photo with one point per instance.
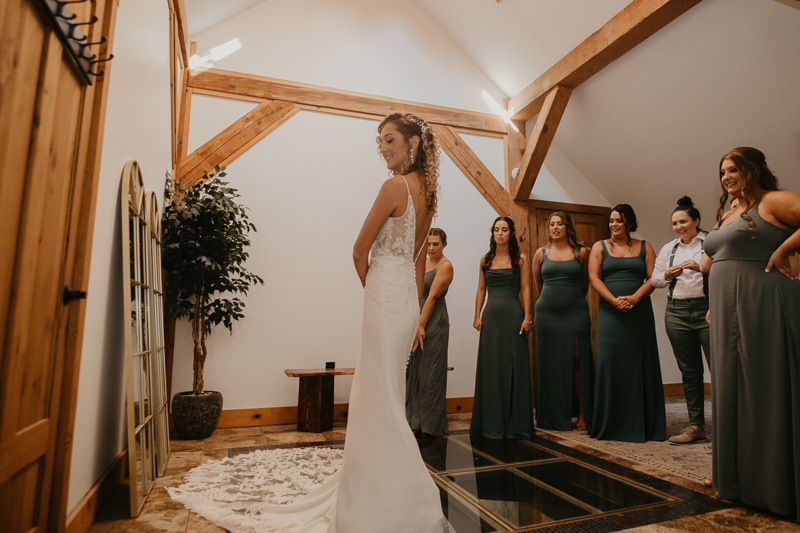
(79, 255)
(563, 206)
(533, 205)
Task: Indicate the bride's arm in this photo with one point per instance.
(387, 202)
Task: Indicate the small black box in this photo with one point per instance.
(330, 365)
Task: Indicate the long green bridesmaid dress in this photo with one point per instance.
(629, 393)
(755, 362)
(562, 318)
(426, 373)
(503, 406)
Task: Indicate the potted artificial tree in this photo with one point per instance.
(205, 234)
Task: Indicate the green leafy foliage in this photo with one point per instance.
(204, 242)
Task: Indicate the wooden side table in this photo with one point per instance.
(315, 397)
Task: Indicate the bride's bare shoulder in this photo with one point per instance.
(393, 189)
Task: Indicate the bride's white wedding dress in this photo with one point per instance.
(383, 484)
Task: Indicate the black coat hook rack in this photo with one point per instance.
(68, 30)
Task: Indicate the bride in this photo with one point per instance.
(383, 484)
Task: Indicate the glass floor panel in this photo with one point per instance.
(592, 487)
(506, 451)
(458, 452)
(443, 453)
(531, 495)
(516, 500)
(462, 515)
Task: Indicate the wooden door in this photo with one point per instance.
(591, 225)
(50, 127)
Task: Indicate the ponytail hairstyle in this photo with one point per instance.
(439, 232)
(752, 163)
(572, 235)
(513, 245)
(629, 218)
(685, 204)
(426, 160)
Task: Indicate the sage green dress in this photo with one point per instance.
(426, 374)
(503, 406)
(562, 317)
(629, 394)
(755, 362)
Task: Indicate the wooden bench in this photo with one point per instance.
(315, 396)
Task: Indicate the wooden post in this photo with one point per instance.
(513, 149)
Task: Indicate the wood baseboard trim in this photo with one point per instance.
(80, 520)
(459, 405)
(271, 416)
(676, 389)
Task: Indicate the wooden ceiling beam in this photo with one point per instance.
(236, 139)
(542, 136)
(324, 98)
(183, 30)
(472, 167)
(635, 23)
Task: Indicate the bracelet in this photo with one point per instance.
(528, 321)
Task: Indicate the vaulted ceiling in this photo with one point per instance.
(654, 123)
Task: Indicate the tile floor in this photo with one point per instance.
(161, 513)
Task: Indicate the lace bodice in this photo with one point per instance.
(397, 236)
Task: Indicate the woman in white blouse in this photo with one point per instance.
(678, 268)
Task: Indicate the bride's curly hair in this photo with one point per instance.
(427, 158)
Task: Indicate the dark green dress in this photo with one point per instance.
(503, 407)
(562, 316)
(755, 361)
(629, 394)
(426, 374)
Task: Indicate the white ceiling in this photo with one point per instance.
(205, 14)
(654, 124)
(515, 41)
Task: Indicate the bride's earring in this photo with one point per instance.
(411, 156)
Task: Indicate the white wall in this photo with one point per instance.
(137, 127)
(311, 182)
(309, 185)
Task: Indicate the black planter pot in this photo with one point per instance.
(196, 416)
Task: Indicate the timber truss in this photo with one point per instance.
(547, 97)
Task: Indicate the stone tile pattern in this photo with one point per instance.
(162, 514)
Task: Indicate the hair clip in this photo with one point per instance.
(422, 126)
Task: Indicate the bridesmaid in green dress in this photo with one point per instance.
(503, 406)
(754, 309)
(426, 373)
(629, 394)
(564, 366)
